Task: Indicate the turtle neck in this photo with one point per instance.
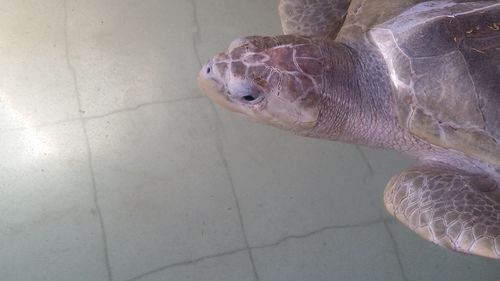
(357, 104)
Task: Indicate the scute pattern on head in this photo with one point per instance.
(444, 60)
(282, 60)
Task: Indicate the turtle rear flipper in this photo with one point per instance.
(450, 207)
(322, 18)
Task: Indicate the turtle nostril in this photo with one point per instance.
(208, 67)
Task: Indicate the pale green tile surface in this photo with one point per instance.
(163, 187)
(229, 267)
(35, 84)
(131, 52)
(352, 253)
(291, 185)
(49, 229)
(115, 167)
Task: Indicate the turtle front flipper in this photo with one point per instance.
(313, 18)
(450, 207)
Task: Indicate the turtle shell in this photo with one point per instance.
(444, 61)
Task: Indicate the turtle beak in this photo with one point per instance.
(211, 82)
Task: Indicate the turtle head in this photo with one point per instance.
(271, 80)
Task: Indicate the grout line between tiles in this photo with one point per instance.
(278, 242)
(196, 33)
(99, 116)
(240, 215)
(326, 228)
(396, 250)
(87, 142)
(97, 205)
(136, 107)
(369, 169)
(186, 263)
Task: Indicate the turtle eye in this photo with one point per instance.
(243, 92)
(251, 97)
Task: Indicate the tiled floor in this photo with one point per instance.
(115, 167)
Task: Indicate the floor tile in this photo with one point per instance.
(290, 185)
(231, 267)
(49, 229)
(358, 253)
(36, 85)
(163, 188)
(126, 53)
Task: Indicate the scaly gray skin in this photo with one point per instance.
(422, 79)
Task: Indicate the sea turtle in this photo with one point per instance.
(421, 77)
